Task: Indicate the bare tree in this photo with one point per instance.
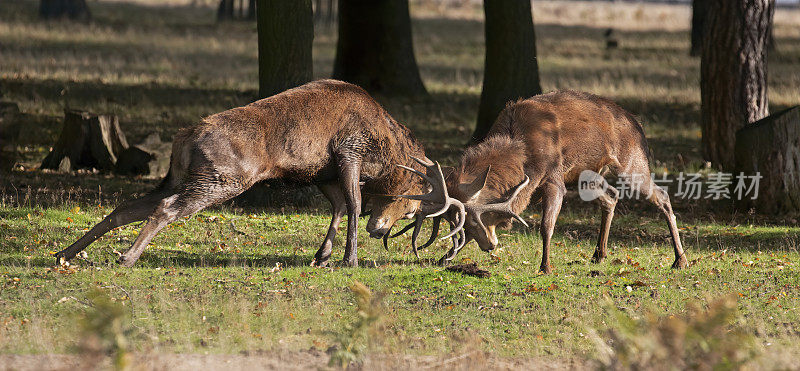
(285, 36)
(699, 14)
(733, 73)
(510, 68)
(375, 49)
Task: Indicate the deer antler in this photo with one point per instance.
(435, 203)
(459, 240)
(417, 225)
(500, 207)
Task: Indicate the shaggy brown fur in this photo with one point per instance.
(552, 138)
(506, 157)
(326, 132)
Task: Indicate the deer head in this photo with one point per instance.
(485, 213)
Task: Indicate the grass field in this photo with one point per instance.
(232, 280)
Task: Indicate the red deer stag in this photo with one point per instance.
(329, 133)
(538, 145)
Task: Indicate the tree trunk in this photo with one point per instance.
(375, 49)
(251, 10)
(699, 15)
(770, 148)
(733, 73)
(73, 9)
(225, 10)
(510, 69)
(87, 141)
(285, 35)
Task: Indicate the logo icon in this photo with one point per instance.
(591, 185)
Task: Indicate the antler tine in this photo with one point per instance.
(404, 230)
(502, 207)
(437, 221)
(438, 193)
(462, 239)
(386, 239)
(423, 176)
(415, 234)
(459, 241)
(517, 190)
(460, 218)
(507, 204)
(422, 162)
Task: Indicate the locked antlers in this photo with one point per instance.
(478, 209)
(434, 204)
(437, 202)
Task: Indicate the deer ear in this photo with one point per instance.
(473, 190)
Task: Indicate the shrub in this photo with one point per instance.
(700, 339)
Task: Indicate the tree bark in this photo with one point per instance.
(510, 68)
(699, 14)
(375, 49)
(72, 9)
(285, 36)
(733, 73)
(770, 148)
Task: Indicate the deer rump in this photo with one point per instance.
(329, 133)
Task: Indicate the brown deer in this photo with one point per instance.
(329, 133)
(537, 146)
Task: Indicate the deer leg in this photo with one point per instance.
(338, 208)
(660, 198)
(196, 197)
(349, 173)
(608, 201)
(126, 213)
(552, 196)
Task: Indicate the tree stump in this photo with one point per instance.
(88, 141)
(151, 157)
(771, 147)
(9, 132)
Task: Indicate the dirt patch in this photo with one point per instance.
(287, 360)
(470, 269)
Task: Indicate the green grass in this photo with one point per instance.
(231, 279)
(210, 282)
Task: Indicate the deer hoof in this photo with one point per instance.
(60, 258)
(352, 262)
(680, 263)
(126, 261)
(319, 263)
(598, 257)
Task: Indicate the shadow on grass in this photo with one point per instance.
(177, 258)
